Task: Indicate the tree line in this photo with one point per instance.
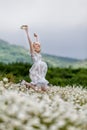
(56, 76)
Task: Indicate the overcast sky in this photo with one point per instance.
(61, 25)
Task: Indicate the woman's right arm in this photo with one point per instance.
(29, 40)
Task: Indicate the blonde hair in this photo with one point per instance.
(36, 43)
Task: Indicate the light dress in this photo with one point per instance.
(38, 70)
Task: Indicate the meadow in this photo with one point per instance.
(62, 107)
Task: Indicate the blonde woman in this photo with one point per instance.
(38, 70)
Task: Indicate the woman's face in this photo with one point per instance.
(36, 47)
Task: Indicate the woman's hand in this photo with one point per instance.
(35, 35)
(25, 27)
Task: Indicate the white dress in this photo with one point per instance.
(38, 70)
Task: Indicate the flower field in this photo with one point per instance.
(57, 109)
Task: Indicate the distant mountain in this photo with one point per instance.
(12, 53)
(80, 64)
(58, 61)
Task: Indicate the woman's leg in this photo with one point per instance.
(44, 88)
(27, 84)
(34, 87)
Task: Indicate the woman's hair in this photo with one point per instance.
(38, 44)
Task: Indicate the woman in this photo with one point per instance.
(39, 68)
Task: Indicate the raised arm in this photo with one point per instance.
(36, 37)
(25, 27)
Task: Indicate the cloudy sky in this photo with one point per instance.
(60, 24)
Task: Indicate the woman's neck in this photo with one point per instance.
(37, 52)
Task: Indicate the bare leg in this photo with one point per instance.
(28, 85)
(44, 88)
(34, 87)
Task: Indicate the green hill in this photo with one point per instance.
(57, 61)
(12, 53)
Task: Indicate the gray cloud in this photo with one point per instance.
(61, 24)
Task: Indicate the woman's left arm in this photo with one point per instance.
(36, 37)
